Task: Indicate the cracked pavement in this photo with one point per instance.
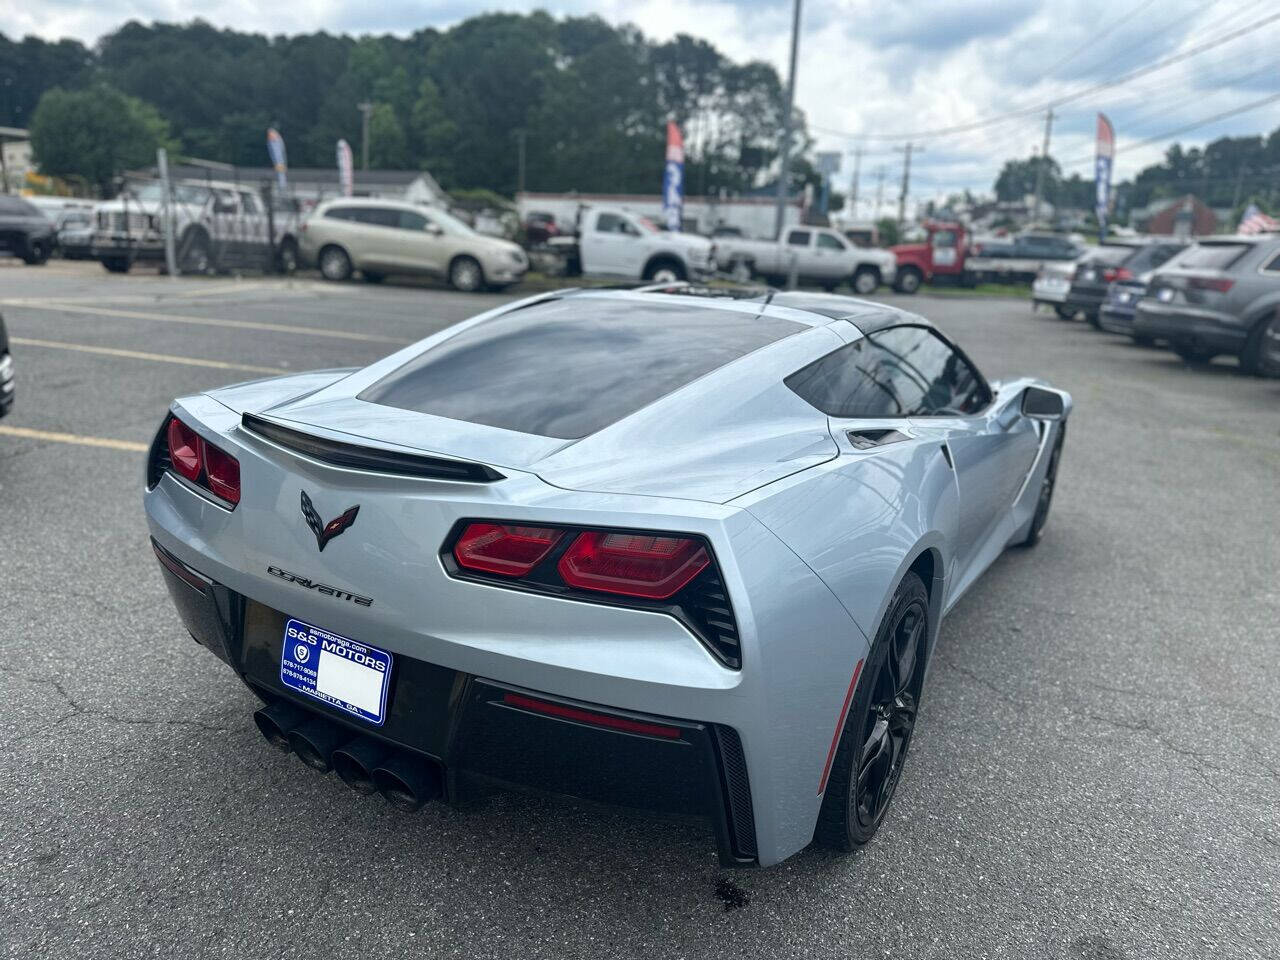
(1096, 772)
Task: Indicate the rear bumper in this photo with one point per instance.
(1086, 298)
(1116, 319)
(1186, 326)
(490, 735)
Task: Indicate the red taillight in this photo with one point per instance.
(505, 549)
(632, 564)
(184, 449)
(202, 463)
(1116, 273)
(222, 471)
(1216, 284)
(567, 712)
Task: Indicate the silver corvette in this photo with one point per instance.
(661, 548)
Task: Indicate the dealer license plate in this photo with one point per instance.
(343, 673)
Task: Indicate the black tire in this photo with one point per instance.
(1064, 312)
(1094, 318)
(742, 270)
(881, 718)
(1142, 340)
(116, 264)
(1195, 356)
(287, 258)
(664, 270)
(908, 280)
(864, 281)
(37, 254)
(1253, 359)
(334, 263)
(466, 275)
(1047, 486)
(194, 257)
(371, 276)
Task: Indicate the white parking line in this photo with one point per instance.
(28, 434)
(64, 307)
(141, 355)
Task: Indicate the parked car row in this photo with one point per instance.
(1212, 297)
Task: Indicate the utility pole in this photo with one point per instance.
(521, 137)
(879, 189)
(906, 180)
(853, 185)
(1040, 167)
(365, 109)
(784, 174)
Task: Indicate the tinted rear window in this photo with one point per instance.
(1150, 257)
(571, 367)
(1213, 256)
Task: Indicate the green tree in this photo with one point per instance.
(1017, 179)
(432, 132)
(887, 228)
(95, 134)
(388, 149)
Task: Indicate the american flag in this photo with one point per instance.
(1255, 221)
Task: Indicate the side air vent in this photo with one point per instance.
(158, 461)
(707, 605)
(737, 793)
(866, 439)
(358, 457)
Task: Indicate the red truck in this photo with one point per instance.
(941, 255)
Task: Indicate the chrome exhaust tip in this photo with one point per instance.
(356, 761)
(275, 720)
(408, 782)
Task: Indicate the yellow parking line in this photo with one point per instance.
(208, 321)
(140, 355)
(29, 434)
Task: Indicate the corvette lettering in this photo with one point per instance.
(318, 587)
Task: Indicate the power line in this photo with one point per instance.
(1070, 98)
(1187, 127)
(1092, 42)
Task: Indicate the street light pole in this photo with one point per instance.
(1040, 167)
(853, 187)
(785, 174)
(365, 108)
(521, 137)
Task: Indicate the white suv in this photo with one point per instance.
(381, 237)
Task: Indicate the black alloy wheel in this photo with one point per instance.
(878, 728)
(891, 718)
(1047, 486)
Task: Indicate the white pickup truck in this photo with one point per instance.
(615, 242)
(217, 226)
(818, 255)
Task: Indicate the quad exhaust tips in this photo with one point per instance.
(315, 742)
(274, 722)
(356, 761)
(407, 782)
(365, 765)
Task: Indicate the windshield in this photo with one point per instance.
(447, 221)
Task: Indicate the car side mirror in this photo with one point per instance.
(433, 228)
(1040, 404)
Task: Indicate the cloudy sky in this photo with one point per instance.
(873, 71)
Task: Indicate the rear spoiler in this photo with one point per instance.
(356, 456)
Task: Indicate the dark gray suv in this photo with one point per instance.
(1221, 296)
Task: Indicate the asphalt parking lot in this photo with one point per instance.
(1096, 773)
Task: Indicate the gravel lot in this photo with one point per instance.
(1096, 771)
